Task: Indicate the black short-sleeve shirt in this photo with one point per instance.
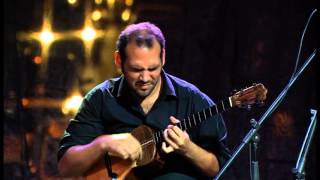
(109, 109)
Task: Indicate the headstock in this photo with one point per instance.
(255, 94)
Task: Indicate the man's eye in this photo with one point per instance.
(153, 69)
(136, 70)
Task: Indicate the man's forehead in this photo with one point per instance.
(148, 44)
(144, 40)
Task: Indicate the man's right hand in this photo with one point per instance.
(122, 145)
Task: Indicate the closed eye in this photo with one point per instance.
(153, 69)
(137, 69)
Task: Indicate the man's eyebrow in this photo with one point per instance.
(136, 67)
(154, 67)
(141, 68)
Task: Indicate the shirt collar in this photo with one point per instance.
(121, 86)
(168, 88)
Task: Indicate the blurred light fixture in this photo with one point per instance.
(96, 15)
(110, 3)
(25, 102)
(129, 2)
(27, 51)
(46, 36)
(72, 2)
(72, 104)
(71, 56)
(88, 34)
(37, 60)
(98, 1)
(126, 15)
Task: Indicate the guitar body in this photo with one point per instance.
(121, 167)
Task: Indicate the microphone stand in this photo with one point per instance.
(298, 171)
(257, 125)
(253, 146)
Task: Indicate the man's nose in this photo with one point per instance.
(144, 76)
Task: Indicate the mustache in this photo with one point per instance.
(144, 82)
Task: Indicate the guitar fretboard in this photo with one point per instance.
(195, 119)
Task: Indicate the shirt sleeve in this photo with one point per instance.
(85, 126)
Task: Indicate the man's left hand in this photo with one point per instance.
(175, 139)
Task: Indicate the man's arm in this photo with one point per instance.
(180, 142)
(79, 159)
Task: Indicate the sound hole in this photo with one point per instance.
(144, 135)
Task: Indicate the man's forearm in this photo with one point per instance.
(203, 159)
(78, 159)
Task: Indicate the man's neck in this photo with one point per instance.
(149, 101)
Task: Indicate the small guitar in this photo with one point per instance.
(149, 139)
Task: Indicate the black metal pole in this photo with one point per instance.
(298, 171)
(253, 146)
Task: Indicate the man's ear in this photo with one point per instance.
(117, 59)
(163, 56)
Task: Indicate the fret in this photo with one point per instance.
(230, 102)
(204, 112)
(185, 125)
(159, 136)
(199, 117)
(194, 119)
(180, 125)
(189, 124)
(155, 137)
(210, 112)
(216, 106)
(182, 128)
(223, 105)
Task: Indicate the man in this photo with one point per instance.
(144, 94)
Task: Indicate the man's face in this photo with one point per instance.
(142, 68)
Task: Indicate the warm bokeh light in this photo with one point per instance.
(72, 2)
(46, 37)
(37, 60)
(72, 104)
(25, 102)
(96, 15)
(88, 33)
(110, 3)
(71, 56)
(98, 1)
(129, 2)
(125, 15)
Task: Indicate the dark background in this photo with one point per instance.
(217, 45)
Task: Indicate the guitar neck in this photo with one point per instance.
(196, 118)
